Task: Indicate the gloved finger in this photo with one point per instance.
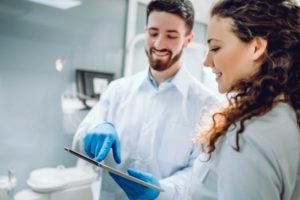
(134, 190)
(123, 183)
(140, 175)
(87, 145)
(94, 143)
(105, 148)
(98, 148)
(117, 151)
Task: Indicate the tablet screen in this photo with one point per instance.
(114, 171)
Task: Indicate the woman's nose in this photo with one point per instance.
(207, 62)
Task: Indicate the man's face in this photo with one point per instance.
(165, 39)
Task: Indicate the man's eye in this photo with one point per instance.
(172, 36)
(152, 34)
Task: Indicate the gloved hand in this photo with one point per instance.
(100, 140)
(135, 191)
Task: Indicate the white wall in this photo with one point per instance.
(32, 37)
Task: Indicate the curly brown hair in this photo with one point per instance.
(278, 79)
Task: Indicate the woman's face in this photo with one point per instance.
(230, 58)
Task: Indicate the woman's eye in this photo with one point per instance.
(214, 49)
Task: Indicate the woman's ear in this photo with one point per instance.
(259, 47)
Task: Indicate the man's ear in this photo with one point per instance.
(188, 39)
(259, 46)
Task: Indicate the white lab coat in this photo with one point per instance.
(267, 167)
(155, 127)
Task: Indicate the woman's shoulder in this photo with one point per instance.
(275, 131)
(281, 120)
(269, 146)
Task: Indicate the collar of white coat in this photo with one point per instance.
(181, 80)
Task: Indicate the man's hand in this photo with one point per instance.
(135, 191)
(98, 142)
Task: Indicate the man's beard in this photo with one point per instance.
(160, 65)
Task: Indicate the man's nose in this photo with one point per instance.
(159, 43)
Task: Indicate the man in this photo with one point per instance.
(148, 120)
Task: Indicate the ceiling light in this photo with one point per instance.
(61, 4)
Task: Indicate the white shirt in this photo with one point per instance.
(155, 126)
(267, 167)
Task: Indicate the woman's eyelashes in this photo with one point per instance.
(214, 49)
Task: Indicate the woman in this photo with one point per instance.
(252, 149)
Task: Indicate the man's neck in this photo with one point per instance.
(161, 76)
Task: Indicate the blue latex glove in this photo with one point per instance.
(98, 142)
(135, 191)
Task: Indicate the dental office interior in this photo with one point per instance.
(56, 59)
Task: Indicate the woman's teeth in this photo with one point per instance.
(218, 74)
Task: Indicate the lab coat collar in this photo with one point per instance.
(181, 80)
(154, 83)
(146, 80)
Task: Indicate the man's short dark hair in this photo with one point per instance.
(181, 8)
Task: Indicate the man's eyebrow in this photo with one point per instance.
(172, 31)
(153, 29)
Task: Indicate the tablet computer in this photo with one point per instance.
(114, 171)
